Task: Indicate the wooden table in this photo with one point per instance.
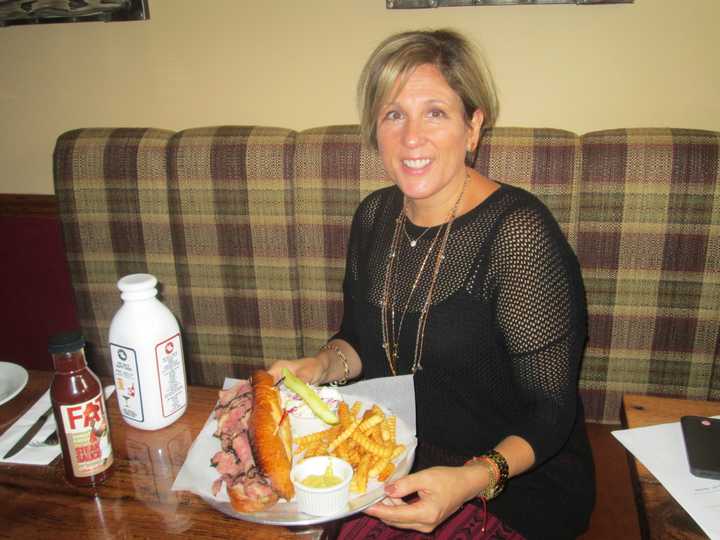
(661, 517)
(136, 501)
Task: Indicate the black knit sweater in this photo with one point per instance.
(502, 346)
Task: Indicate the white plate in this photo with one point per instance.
(197, 475)
(287, 513)
(13, 379)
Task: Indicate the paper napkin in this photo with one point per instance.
(35, 455)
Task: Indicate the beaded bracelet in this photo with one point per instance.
(343, 359)
(498, 469)
(489, 491)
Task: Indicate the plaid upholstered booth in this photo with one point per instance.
(245, 227)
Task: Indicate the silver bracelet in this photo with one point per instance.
(343, 358)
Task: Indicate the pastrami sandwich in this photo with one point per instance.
(256, 440)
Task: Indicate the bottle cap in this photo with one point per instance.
(137, 286)
(66, 342)
(136, 282)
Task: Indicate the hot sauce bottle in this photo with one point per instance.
(80, 414)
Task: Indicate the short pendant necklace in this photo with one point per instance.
(391, 334)
(413, 241)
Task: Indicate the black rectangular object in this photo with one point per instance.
(702, 443)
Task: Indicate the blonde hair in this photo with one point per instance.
(398, 55)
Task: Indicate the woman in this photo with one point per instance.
(469, 285)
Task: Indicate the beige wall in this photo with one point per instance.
(294, 63)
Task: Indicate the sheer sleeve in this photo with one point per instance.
(540, 319)
(364, 220)
(348, 328)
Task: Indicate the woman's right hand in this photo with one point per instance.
(309, 369)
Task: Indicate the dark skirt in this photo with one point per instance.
(471, 521)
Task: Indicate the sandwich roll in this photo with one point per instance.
(270, 435)
(256, 445)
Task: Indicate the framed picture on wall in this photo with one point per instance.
(17, 12)
(420, 4)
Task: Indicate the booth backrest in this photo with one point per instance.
(245, 227)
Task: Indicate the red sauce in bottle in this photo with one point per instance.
(79, 407)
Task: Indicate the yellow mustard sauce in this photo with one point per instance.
(326, 480)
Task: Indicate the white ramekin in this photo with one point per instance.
(322, 501)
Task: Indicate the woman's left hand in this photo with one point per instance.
(441, 491)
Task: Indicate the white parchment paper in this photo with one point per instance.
(394, 394)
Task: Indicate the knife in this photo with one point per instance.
(29, 434)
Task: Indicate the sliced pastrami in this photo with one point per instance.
(235, 462)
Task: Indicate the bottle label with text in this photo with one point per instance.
(127, 381)
(88, 436)
(171, 375)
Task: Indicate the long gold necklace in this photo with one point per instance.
(391, 334)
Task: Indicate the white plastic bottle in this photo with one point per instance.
(147, 356)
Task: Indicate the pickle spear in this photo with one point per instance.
(317, 405)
